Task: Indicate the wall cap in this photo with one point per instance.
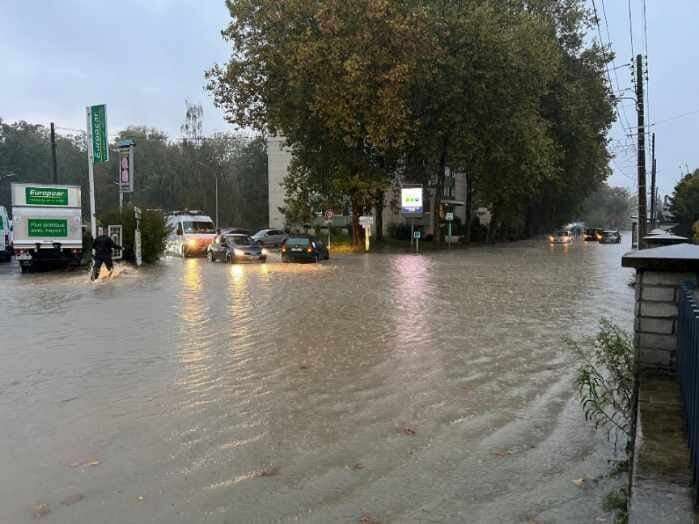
(676, 258)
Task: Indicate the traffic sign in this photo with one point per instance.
(366, 220)
(329, 214)
(449, 217)
(417, 235)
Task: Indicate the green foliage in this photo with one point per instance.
(684, 203)
(154, 232)
(609, 207)
(617, 501)
(169, 175)
(372, 91)
(605, 378)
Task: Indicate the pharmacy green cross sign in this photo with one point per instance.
(97, 120)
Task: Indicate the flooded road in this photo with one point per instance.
(398, 388)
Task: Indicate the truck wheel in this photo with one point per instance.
(183, 252)
(210, 256)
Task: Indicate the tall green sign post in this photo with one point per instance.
(97, 152)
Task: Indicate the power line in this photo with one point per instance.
(645, 45)
(616, 75)
(633, 53)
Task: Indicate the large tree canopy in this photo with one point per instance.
(370, 90)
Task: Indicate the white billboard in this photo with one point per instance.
(411, 201)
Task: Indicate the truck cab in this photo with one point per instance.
(191, 232)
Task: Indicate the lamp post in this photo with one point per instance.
(216, 179)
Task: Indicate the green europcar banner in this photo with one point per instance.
(98, 132)
(46, 196)
(47, 227)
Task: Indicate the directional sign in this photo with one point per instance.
(329, 214)
(97, 128)
(366, 220)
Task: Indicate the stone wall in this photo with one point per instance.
(655, 329)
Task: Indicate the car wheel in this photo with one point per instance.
(210, 256)
(229, 259)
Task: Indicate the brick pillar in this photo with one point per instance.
(659, 273)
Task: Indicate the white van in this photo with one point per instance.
(191, 232)
(5, 236)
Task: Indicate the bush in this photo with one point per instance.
(400, 231)
(154, 232)
(605, 379)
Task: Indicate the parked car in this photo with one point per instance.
(610, 237)
(592, 234)
(270, 237)
(562, 236)
(236, 231)
(5, 236)
(304, 248)
(235, 248)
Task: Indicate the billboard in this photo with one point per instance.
(411, 201)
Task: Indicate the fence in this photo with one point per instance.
(688, 367)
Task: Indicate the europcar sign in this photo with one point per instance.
(46, 196)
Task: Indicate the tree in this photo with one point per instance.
(609, 207)
(684, 203)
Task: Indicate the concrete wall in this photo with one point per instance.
(278, 160)
(655, 327)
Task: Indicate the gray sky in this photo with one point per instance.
(144, 57)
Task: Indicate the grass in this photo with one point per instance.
(617, 501)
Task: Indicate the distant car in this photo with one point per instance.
(610, 237)
(592, 235)
(236, 231)
(304, 248)
(562, 236)
(235, 248)
(270, 237)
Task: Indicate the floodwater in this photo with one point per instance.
(380, 388)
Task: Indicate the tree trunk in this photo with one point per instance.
(379, 215)
(438, 194)
(469, 208)
(356, 228)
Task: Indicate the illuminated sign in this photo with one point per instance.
(411, 201)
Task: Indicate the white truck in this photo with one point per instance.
(191, 232)
(47, 225)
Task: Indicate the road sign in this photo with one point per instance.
(449, 217)
(98, 133)
(365, 221)
(329, 214)
(417, 235)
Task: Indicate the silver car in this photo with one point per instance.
(270, 237)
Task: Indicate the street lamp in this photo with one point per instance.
(216, 178)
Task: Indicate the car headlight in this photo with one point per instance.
(238, 252)
(192, 243)
(265, 251)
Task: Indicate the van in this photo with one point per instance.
(5, 236)
(191, 232)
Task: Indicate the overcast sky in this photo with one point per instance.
(143, 58)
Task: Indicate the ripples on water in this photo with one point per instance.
(385, 384)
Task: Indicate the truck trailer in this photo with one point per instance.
(47, 225)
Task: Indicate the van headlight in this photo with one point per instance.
(192, 243)
(265, 251)
(238, 252)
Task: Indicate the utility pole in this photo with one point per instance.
(54, 171)
(642, 196)
(652, 183)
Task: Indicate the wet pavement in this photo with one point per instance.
(379, 388)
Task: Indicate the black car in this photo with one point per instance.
(610, 237)
(592, 235)
(304, 248)
(235, 248)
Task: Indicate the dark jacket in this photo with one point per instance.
(103, 246)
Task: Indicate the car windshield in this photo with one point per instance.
(297, 242)
(240, 240)
(198, 227)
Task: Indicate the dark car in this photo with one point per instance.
(304, 248)
(235, 248)
(610, 237)
(236, 231)
(592, 235)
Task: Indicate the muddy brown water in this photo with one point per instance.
(392, 387)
